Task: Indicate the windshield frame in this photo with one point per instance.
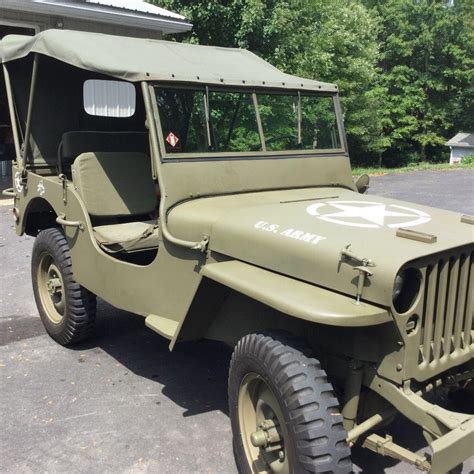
(211, 155)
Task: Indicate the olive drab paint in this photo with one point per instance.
(381, 289)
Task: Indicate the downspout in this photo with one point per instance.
(26, 144)
(152, 122)
(11, 110)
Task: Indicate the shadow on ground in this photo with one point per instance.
(194, 376)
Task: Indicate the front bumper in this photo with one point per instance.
(453, 448)
(451, 434)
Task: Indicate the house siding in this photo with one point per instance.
(457, 154)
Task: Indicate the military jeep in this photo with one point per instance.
(208, 192)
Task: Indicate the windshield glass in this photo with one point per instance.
(201, 120)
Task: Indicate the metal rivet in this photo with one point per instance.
(399, 367)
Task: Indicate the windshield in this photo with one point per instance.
(203, 120)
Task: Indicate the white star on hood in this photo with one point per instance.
(373, 213)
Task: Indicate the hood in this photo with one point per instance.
(301, 233)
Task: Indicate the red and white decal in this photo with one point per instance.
(172, 139)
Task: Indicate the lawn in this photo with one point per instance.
(375, 171)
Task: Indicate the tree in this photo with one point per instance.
(427, 71)
(329, 41)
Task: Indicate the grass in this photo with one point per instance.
(375, 171)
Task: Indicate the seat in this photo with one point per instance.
(114, 187)
(127, 237)
(75, 142)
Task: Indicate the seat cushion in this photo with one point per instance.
(115, 184)
(127, 237)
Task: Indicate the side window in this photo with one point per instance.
(109, 98)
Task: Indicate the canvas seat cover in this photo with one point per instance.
(128, 237)
(116, 185)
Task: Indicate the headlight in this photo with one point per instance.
(406, 288)
(398, 285)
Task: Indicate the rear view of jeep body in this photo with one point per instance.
(213, 196)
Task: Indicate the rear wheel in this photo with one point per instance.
(285, 417)
(67, 309)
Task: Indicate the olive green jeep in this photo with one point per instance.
(212, 194)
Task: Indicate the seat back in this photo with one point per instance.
(76, 142)
(115, 184)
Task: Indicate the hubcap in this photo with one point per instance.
(51, 289)
(262, 427)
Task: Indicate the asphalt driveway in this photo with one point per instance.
(122, 402)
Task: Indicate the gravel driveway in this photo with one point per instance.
(122, 402)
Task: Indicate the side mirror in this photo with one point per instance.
(362, 183)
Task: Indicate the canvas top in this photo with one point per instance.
(135, 59)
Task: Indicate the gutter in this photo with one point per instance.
(97, 14)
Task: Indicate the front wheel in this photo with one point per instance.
(284, 414)
(67, 309)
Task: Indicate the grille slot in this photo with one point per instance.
(447, 312)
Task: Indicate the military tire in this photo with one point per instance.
(67, 309)
(281, 401)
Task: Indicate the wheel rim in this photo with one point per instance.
(51, 288)
(262, 427)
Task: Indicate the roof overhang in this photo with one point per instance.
(100, 13)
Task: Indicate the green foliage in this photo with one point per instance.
(427, 71)
(405, 68)
(468, 160)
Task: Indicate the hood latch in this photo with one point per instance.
(363, 269)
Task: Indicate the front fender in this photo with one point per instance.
(293, 297)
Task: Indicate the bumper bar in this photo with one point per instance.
(453, 448)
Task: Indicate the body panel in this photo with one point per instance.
(301, 233)
(294, 297)
(165, 287)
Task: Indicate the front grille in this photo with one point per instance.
(447, 311)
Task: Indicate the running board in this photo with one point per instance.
(163, 326)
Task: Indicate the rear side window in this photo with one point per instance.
(109, 98)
